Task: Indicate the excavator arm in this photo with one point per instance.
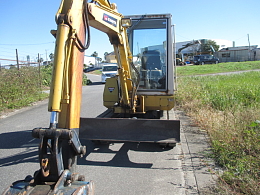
(109, 21)
(59, 144)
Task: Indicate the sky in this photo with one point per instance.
(26, 25)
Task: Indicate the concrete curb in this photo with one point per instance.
(196, 164)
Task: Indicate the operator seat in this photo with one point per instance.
(151, 69)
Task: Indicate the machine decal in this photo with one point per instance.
(110, 20)
(111, 89)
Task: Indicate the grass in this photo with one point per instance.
(20, 88)
(217, 68)
(23, 87)
(228, 107)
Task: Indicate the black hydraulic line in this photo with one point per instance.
(82, 47)
(87, 25)
(78, 42)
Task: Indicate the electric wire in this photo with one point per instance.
(13, 44)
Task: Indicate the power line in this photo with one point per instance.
(5, 56)
(182, 36)
(12, 50)
(23, 52)
(12, 44)
(241, 37)
(5, 51)
(12, 60)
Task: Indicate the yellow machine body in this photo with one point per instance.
(111, 91)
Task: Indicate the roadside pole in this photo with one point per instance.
(39, 71)
(249, 49)
(17, 59)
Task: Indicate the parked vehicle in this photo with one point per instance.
(108, 71)
(88, 69)
(205, 59)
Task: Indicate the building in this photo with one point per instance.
(111, 58)
(91, 61)
(238, 54)
(44, 63)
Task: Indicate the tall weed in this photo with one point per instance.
(228, 107)
(23, 87)
(20, 87)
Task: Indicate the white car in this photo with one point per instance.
(108, 71)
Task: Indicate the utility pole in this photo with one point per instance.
(46, 57)
(249, 50)
(17, 59)
(39, 65)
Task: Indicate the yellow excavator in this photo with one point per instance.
(180, 57)
(136, 97)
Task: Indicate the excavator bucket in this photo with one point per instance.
(130, 130)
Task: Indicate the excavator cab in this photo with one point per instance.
(150, 41)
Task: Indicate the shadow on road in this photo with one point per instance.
(24, 148)
(18, 140)
(96, 83)
(23, 140)
(121, 158)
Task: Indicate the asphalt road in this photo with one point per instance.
(119, 168)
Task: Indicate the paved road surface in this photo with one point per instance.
(120, 168)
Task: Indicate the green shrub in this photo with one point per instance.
(46, 75)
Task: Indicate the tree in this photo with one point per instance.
(40, 60)
(105, 55)
(207, 45)
(95, 54)
(51, 56)
(28, 60)
(99, 59)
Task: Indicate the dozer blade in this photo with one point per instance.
(130, 130)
